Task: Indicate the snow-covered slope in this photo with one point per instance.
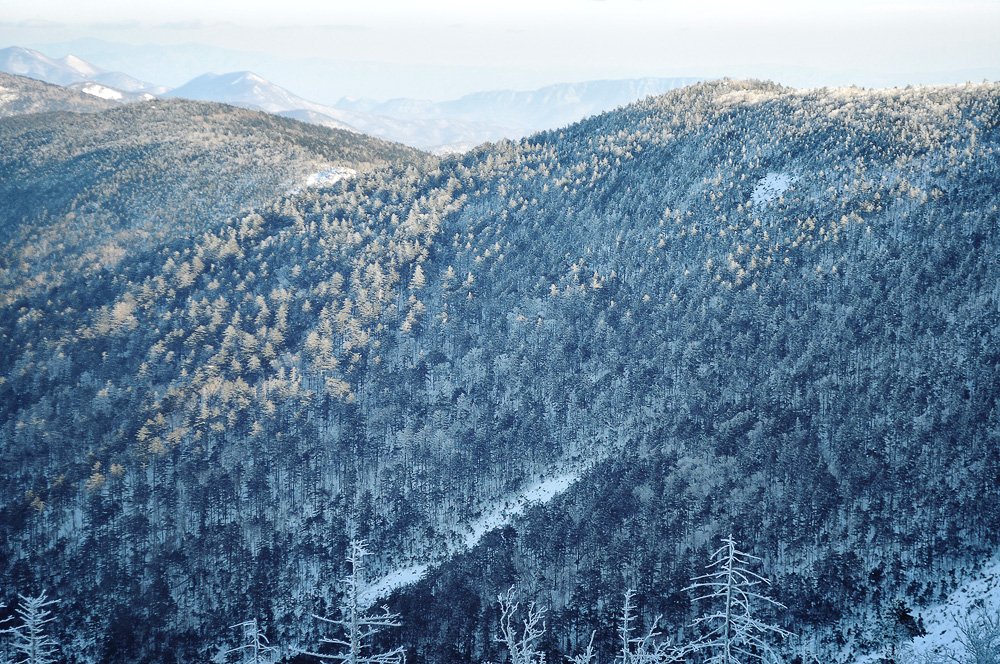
(33, 64)
(251, 90)
(496, 515)
(241, 88)
(977, 596)
(111, 93)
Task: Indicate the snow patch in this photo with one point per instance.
(330, 176)
(324, 178)
(500, 514)
(979, 593)
(396, 579)
(772, 186)
(103, 92)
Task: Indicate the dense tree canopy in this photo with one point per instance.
(733, 308)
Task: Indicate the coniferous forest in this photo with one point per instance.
(736, 315)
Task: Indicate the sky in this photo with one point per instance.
(444, 48)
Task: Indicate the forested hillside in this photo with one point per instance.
(83, 192)
(20, 95)
(735, 308)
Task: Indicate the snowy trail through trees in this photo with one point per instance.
(501, 514)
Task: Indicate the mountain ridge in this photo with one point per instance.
(20, 95)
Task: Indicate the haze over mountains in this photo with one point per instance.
(76, 72)
(451, 126)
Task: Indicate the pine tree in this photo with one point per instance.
(734, 635)
(356, 624)
(31, 644)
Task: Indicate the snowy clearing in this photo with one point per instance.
(539, 492)
(978, 592)
(395, 579)
(771, 186)
(324, 178)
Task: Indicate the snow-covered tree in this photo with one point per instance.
(4, 652)
(31, 644)
(356, 624)
(256, 648)
(734, 635)
(521, 636)
(979, 638)
(646, 648)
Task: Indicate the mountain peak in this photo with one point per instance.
(80, 65)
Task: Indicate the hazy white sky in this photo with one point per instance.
(444, 48)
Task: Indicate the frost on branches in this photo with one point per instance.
(356, 625)
(733, 634)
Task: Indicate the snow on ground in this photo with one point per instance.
(978, 593)
(395, 579)
(771, 186)
(324, 178)
(499, 514)
(329, 176)
(103, 92)
(6, 96)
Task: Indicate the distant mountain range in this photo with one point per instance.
(449, 126)
(78, 73)
(532, 110)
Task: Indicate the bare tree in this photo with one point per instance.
(255, 649)
(358, 626)
(734, 635)
(588, 655)
(648, 648)
(31, 644)
(979, 638)
(4, 652)
(521, 640)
